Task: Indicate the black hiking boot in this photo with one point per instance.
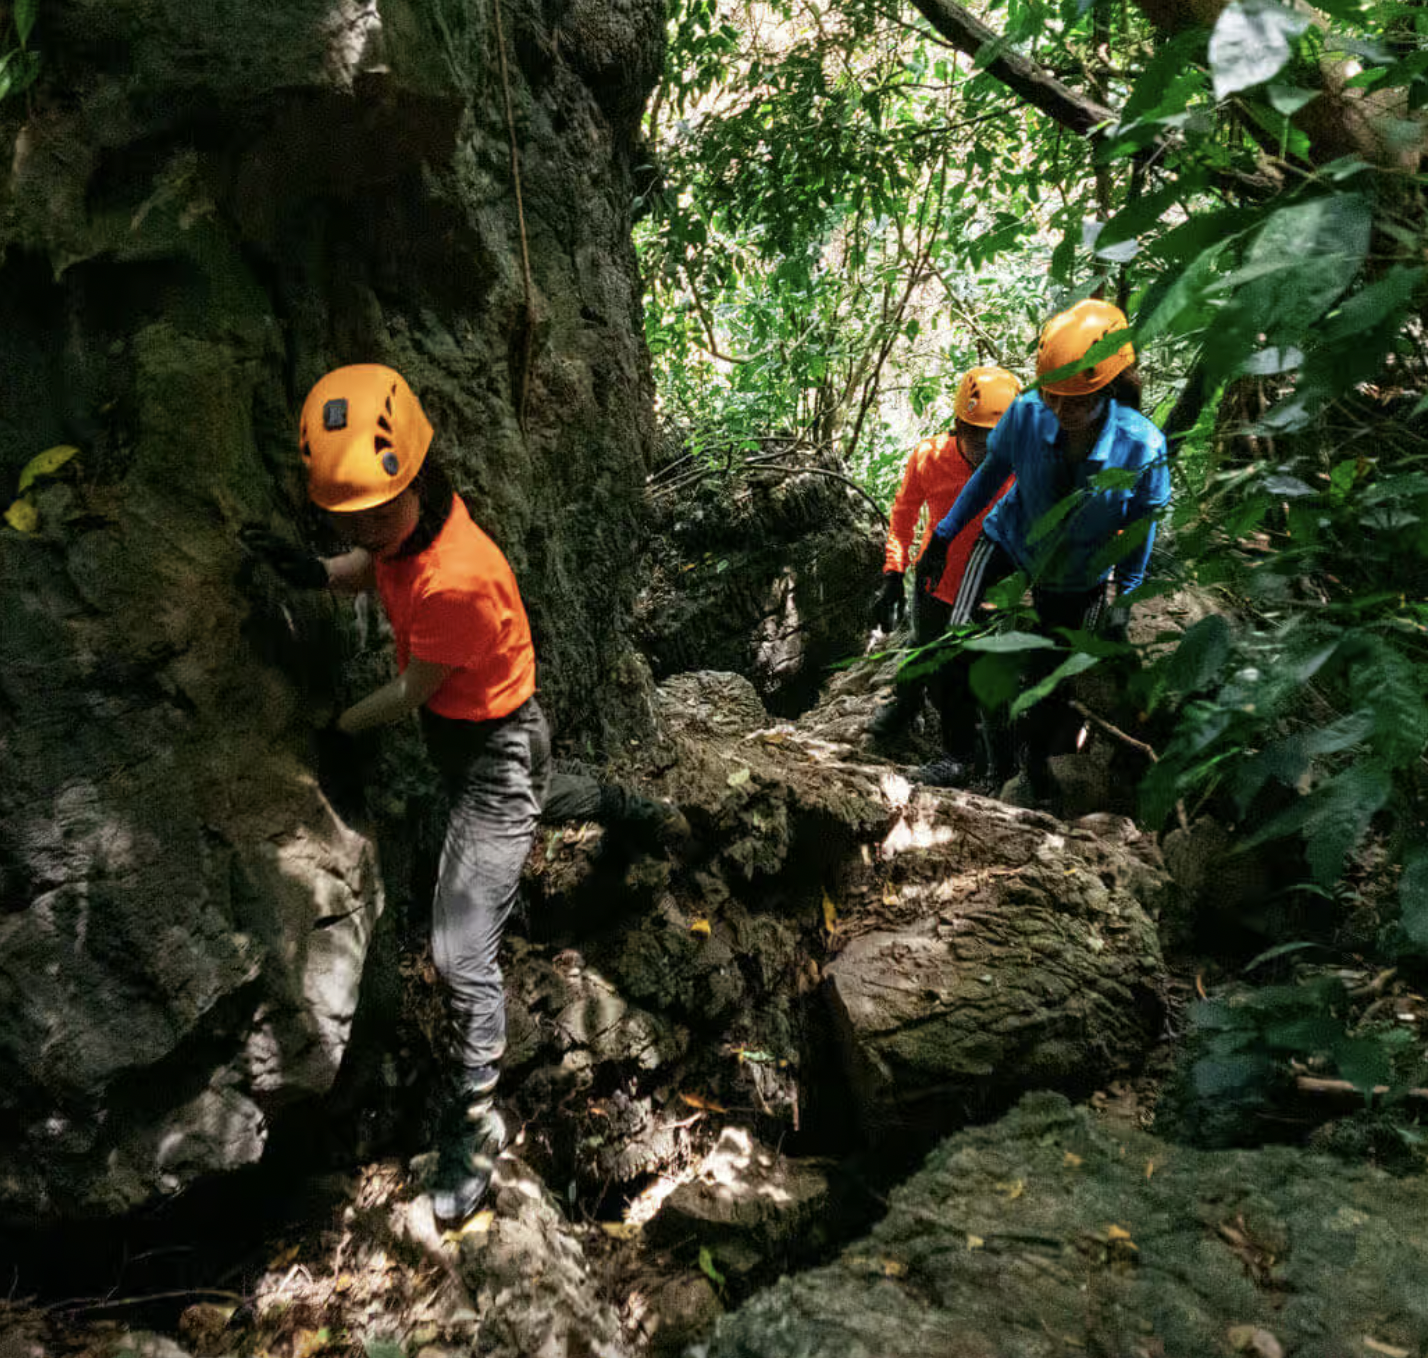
(473, 1134)
(945, 771)
(639, 825)
(894, 719)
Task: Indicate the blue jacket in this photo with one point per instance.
(1064, 556)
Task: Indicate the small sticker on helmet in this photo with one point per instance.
(334, 415)
(390, 465)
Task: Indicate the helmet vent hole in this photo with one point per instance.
(379, 442)
(307, 449)
(384, 423)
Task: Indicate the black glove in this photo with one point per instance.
(931, 564)
(298, 566)
(1115, 623)
(889, 603)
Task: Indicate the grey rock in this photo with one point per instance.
(1046, 1234)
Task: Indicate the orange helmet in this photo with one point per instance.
(363, 437)
(1067, 337)
(985, 396)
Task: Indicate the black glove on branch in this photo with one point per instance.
(298, 566)
(931, 565)
(889, 603)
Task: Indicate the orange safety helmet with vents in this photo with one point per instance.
(363, 437)
(985, 396)
(1067, 337)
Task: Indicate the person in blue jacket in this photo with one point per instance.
(1060, 522)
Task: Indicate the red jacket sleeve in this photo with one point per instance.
(907, 506)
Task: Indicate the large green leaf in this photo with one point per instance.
(25, 11)
(1251, 41)
(1072, 665)
(1011, 641)
(1413, 896)
(1200, 656)
(1303, 259)
(1332, 818)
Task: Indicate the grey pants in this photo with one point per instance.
(497, 774)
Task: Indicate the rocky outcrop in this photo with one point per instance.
(1047, 1234)
(202, 210)
(844, 952)
(765, 574)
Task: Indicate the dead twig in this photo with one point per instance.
(1082, 710)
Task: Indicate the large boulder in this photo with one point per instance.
(1046, 1234)
(992, 950)
(767, 575)
(202, 209)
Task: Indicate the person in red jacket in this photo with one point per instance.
(936, 472)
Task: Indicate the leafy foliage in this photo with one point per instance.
(853, 212)
(19, 64)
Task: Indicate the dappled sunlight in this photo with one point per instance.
(349, 28)
(644, 1207)
(915, 832)
(897, 790)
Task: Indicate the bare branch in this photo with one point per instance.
(970, 35)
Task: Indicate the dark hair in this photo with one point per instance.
(1125, 387)
(433, 490)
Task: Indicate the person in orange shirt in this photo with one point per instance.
(467, 664)
(936, 472)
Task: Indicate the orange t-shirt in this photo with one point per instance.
(934, 476)
(457, 604)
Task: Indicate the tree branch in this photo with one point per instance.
(970, 35)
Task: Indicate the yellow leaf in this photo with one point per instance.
(1013, 1190)
(284, 1257)
(480, 1223)
(308, 1342)
(621, 1230)
(45, 464)
(830, 914)
(739, 777)
(1391, 1350)
(1072, 1160)
(701, 926)
(974, 1242)
(891, 1268)
(1149, 1168)
(22, 516)
(889, 894)
(703, 1104)
(1117, 1233)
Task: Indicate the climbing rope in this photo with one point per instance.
(521, 219)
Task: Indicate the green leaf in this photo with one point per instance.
(995, 679)
(1201, 655)
(1289, 99)
(1280, 950)
(383, 1348)
(1073, 665)
(1332, 818)
(1250, 43)
(1413, 896)
(706, 1265)
(1011, 641)
(1363, 1062)
(1307, 255)
(25, 11)
(1165, 84)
